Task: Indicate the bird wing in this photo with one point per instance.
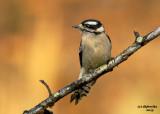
(80, 53)
(108, 38)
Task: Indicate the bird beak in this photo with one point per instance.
(75, 26)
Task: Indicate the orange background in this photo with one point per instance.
(37, 42)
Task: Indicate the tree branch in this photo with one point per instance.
(44, 83)
(139, 42)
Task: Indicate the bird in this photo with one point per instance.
(94, 51)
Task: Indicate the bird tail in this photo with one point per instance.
(81, 93)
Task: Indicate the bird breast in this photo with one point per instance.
(96, 51)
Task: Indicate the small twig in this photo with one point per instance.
(49, 90)
(44, 110)
(136, 34)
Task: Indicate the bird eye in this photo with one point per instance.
(87, 25)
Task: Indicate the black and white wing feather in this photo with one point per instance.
(80, 54)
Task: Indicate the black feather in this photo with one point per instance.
(87, 91)
(92, 26)
(108, 38)
(80, 54)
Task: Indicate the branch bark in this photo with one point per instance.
(139, 42)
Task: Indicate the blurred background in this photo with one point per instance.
(37, 42)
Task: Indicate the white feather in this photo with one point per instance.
(101, 29)
(91, 23)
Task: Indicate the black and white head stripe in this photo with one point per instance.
(92, 22)
(92, 25)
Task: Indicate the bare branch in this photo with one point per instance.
(139, 42)
(49, 90)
